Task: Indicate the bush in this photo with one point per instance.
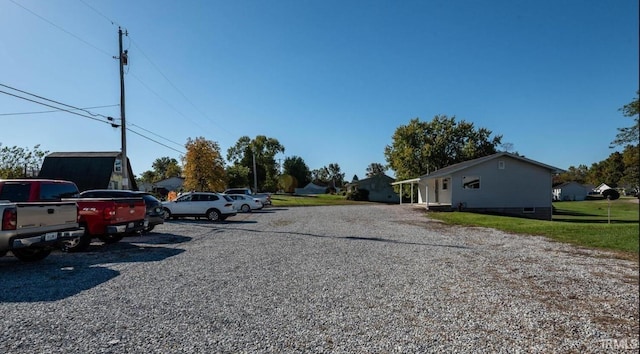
(359, 195)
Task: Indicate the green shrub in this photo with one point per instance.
(358, 195)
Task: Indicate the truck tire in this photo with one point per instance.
(109, 239)
(31, 254)
(77, 244)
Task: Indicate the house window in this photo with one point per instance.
(117, 165)
(445, 184)
(501, 165)
(471, 182)
(528, 210)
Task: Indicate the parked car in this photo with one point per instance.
(154, 212)
(245, 203)
(213, 206)
(265, 198)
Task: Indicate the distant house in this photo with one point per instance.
(164, 186)
(311, 188)
(501, 183)
(379, 188)
(570, 191)
(88, 170)
(601, 188)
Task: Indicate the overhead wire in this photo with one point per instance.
(53, 111)
(61, 109)
(56, 102)
(175, 87)
(93, 115)
(62, 29)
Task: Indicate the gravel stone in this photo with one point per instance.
(340, 279)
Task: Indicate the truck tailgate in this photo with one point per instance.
(129, 209)
(47, 216)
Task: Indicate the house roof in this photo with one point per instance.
(380, 176)
(561, 185)
(88, 170)
(470, 163)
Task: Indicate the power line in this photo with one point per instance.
(62, 29)
(101, 14)
(62, 109)
(54, 111)
(155, 141)
(56, 102)
(159, 136)
(175, 87)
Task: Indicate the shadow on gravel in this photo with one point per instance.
(62, 275)
(354, 238)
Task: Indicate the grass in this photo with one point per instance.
(286, 200)
(584, 223)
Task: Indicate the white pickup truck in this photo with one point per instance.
(30, 230)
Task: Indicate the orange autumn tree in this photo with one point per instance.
(203, 166)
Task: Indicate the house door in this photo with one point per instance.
(436, 191)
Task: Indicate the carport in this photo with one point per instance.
(411, 182)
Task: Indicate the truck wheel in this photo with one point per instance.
(148, 229)
(213, 215)
(109, 239)
(31, 254)
(77, 244)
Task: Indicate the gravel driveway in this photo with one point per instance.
(341, 279)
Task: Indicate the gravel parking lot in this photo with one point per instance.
(340, 279)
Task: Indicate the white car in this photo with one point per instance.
(245, 203)
(213, 206)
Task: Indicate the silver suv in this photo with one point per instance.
(213, 206)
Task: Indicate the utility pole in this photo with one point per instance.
(255, 172)
(123, 127)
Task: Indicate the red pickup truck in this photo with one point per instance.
(109, 219)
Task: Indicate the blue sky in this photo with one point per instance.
(331, 80)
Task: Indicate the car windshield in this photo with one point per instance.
(227, 198)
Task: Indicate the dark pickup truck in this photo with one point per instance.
(109, 219)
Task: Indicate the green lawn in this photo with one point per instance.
(286, 200)
(584, 223)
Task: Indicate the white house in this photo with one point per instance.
(501, 183)
(601, 188)
(570, 191)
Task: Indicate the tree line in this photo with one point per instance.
(417, 148)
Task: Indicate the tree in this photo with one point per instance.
(375, 169)
(573, 174)
(265, 149)
(335, 175)
(629, 135)
(17, 162)
(237, 176)
(631, 174)
(320, 176)
(422, 147)
(166, 167)
(203, 166)
(295, 174)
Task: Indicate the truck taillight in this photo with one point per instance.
(9, 219)
(109, 213)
